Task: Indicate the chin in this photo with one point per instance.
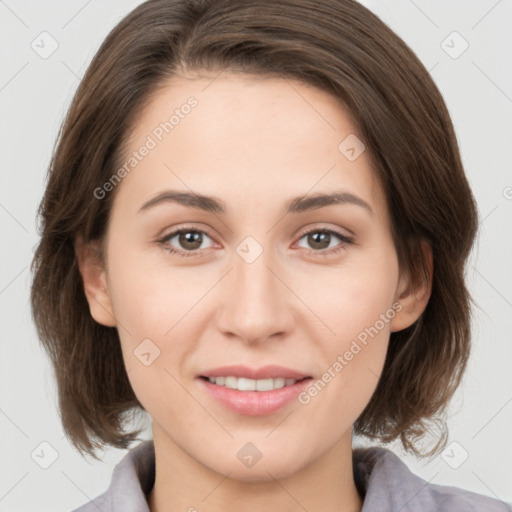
(265, 466)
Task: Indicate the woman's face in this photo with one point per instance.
(263, 274)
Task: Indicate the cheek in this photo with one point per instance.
(357, 304)
(158, 310)
(351, 298)
(150, 299)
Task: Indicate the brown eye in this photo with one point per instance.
(319, 241)
(186, 242)
(190, 240)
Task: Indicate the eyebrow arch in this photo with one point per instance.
(315, 201)
(215, 205)
(190, 199)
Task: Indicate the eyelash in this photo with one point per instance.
(345, 240)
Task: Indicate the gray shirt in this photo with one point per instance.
(380, 476)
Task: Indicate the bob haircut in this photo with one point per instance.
(338, 46)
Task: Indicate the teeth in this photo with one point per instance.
(243, 384)
(231, 382)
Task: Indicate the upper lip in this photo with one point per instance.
(265, 372)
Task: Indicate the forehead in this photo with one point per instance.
(245, 137)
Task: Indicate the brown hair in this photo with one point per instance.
(338, 46)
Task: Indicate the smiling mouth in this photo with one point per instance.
(245, 384)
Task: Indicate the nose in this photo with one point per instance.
(255, 303)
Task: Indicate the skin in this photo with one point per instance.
(254, 143)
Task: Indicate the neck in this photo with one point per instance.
(184, 484)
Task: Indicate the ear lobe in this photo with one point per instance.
(414, 299)
(93, 274)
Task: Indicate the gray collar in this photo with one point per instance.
(380, 476)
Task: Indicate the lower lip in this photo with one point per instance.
(255, 403)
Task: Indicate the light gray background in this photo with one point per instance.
(34, 95)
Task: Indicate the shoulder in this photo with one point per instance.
(389, 485)
(132, 480)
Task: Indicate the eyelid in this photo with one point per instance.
(164, 239)
(345, 240)
(321, 227)
(173, 232)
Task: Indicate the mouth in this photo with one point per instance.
(246, 384)
(253, 392)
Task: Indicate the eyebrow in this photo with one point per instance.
(215, 205)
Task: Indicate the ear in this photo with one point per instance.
(413, 299)
(92, 270)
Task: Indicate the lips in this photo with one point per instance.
(253, 391)
(266, 372)
(254, 403)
